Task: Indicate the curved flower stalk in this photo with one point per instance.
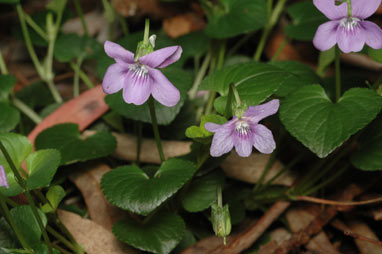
(3, 177)
(139, 78)
(347, 27)
(244, 132)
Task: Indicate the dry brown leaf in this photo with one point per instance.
(153, 8)
(361, 60)
(82, 110)
(245, 169)
(88, 182)
(93, 237)
(183, 24)
(363, 229)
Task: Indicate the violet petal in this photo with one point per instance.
(326, 35)
(331, 10)
(163, 90)
(162, 57)
(114, 79)
(212, 127)
(263, 139)
(243, 145)
(222, 142)
(351, 40)
(257, 113)
(137, 88)
(118, 53)
(373, 34)
(3, 178)
(364, 8)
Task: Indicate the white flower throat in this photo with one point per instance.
(138, 70)
(242, 127)
(349, 23)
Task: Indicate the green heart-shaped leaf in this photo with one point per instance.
(159, 235)
(238, 16)
(165, 115)
(131, 189)
(7, 82)
(25, 220)
(202, 192)
(42, 166)
(321, 125)
(7, 237)
(67, 139)
(369, 153)
(254, 81)
(200, 132)
(70, 46)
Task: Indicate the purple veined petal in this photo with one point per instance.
(243, 145)
(3, 178)
(373, 34)
(331, 10)
(326, 35)
(212, 127)
(162, 57)
(118, 53)
(114, 78)
(263, 139)
(163, 90)
(351, 40)
(364, 8)
(257, 113)
(137, 88)
(222, 142)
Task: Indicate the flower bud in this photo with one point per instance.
(221, 220)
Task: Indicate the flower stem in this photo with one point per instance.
(156, 129)
(75, 67)
(200, 75)
(219, 195)
(350, 11)
(76, 82)
(21, 181)
(146, 33)
(273, 17)
(77, 5)
(61, 238)
(3, 66)
(11, 222)
(35, 27)
(26, 110)
(236, 94)
(338, 73)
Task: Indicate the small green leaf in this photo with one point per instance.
(35, 95)
(54, 195)
(306, 19)
(25, 220)
(375, 54)
(165, 115)
(369, 153)
(200, 132)
(148, 193)
(42, 166)
(9, 117)
(67, 139)
(321, 125)
(202, 192)
(238, 17)
(255, 81)
(18, 148)
(71, 46)
(159, 235)
(7, 82)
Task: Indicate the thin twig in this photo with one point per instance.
(338, 203)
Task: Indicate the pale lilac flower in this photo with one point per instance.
(3, 177)
(140, 79)
(245, 132)
(350, 33)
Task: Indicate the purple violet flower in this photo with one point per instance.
(351, 33)
(245, 132)
(140, 79)
(3, 178)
